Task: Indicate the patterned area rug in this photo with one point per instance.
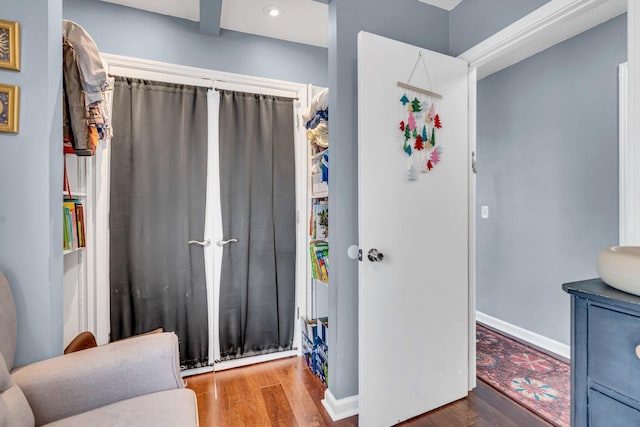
(535, 380)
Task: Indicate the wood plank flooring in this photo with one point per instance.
(284, 393)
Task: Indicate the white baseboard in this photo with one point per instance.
(339, 409)
(537, 340)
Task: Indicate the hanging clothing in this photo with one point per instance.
(94, 78)
(85, 81)
(75, 127)
(157, 200)
(257, 186)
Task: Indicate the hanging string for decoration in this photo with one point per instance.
(420, 124)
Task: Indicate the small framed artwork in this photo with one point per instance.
(9, 108)
(9, 45)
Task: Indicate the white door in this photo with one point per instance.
(413, 305)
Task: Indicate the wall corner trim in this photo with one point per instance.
(630, 133)
(339, 409)
(550, 24)
(526, 335)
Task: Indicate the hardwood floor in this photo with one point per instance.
(285, 393)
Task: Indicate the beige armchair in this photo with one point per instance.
(134, 382)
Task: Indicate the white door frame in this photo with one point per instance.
(552, 23)
(630, 134)
(161, 71)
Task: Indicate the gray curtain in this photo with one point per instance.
(158, 183)
(257, 181)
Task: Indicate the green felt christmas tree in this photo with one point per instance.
(415, 104)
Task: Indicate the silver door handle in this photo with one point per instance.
(204, 243)
(221, 243)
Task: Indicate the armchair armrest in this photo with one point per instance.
(77, 382)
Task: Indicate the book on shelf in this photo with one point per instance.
(320, 219)
(319, 252)
(80, 224)
(74, 228)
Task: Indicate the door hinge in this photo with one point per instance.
(474, 166)
(298, 313)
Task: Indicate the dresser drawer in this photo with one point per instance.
(612, 360)
(607, 412)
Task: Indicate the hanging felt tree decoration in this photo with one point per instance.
(431, 114)
(419, 142)
(437, 124)
(418, 145)
(411, 121)
(435, 156)
(415, 105)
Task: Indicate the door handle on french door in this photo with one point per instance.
(221, 243)
(204, 243)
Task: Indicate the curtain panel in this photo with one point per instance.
(157, 204)
(257, 183)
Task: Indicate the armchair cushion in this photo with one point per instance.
(163, 409)
(8, 324)
(78, 382)
(14, 408)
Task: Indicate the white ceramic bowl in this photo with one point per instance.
(619, 267)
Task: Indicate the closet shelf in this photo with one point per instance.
(70, 251)
(320, 196)
(74, 195)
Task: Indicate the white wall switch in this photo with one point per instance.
(484, 212)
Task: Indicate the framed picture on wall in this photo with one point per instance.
(9, 45)
(9, 108)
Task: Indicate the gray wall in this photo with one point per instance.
(404, 20)
(548, 170)
(472, 21)
(131, 32)
(31, 182)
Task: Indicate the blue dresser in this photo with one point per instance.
(605, 355)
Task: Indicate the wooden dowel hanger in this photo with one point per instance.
(419, 90)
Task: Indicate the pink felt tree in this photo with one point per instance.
(411, 121)
(435, 156)
(431, 114)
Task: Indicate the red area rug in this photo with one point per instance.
(535, 380)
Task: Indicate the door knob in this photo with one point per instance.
(374, 255)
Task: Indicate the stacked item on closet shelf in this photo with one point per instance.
(314, 336)
(315, 348)
(316, 119)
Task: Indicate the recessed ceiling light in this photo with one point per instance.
(271, 10)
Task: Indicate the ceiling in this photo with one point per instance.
(301, 21)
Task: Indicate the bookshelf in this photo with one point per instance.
(74, 246)
(315, 323)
